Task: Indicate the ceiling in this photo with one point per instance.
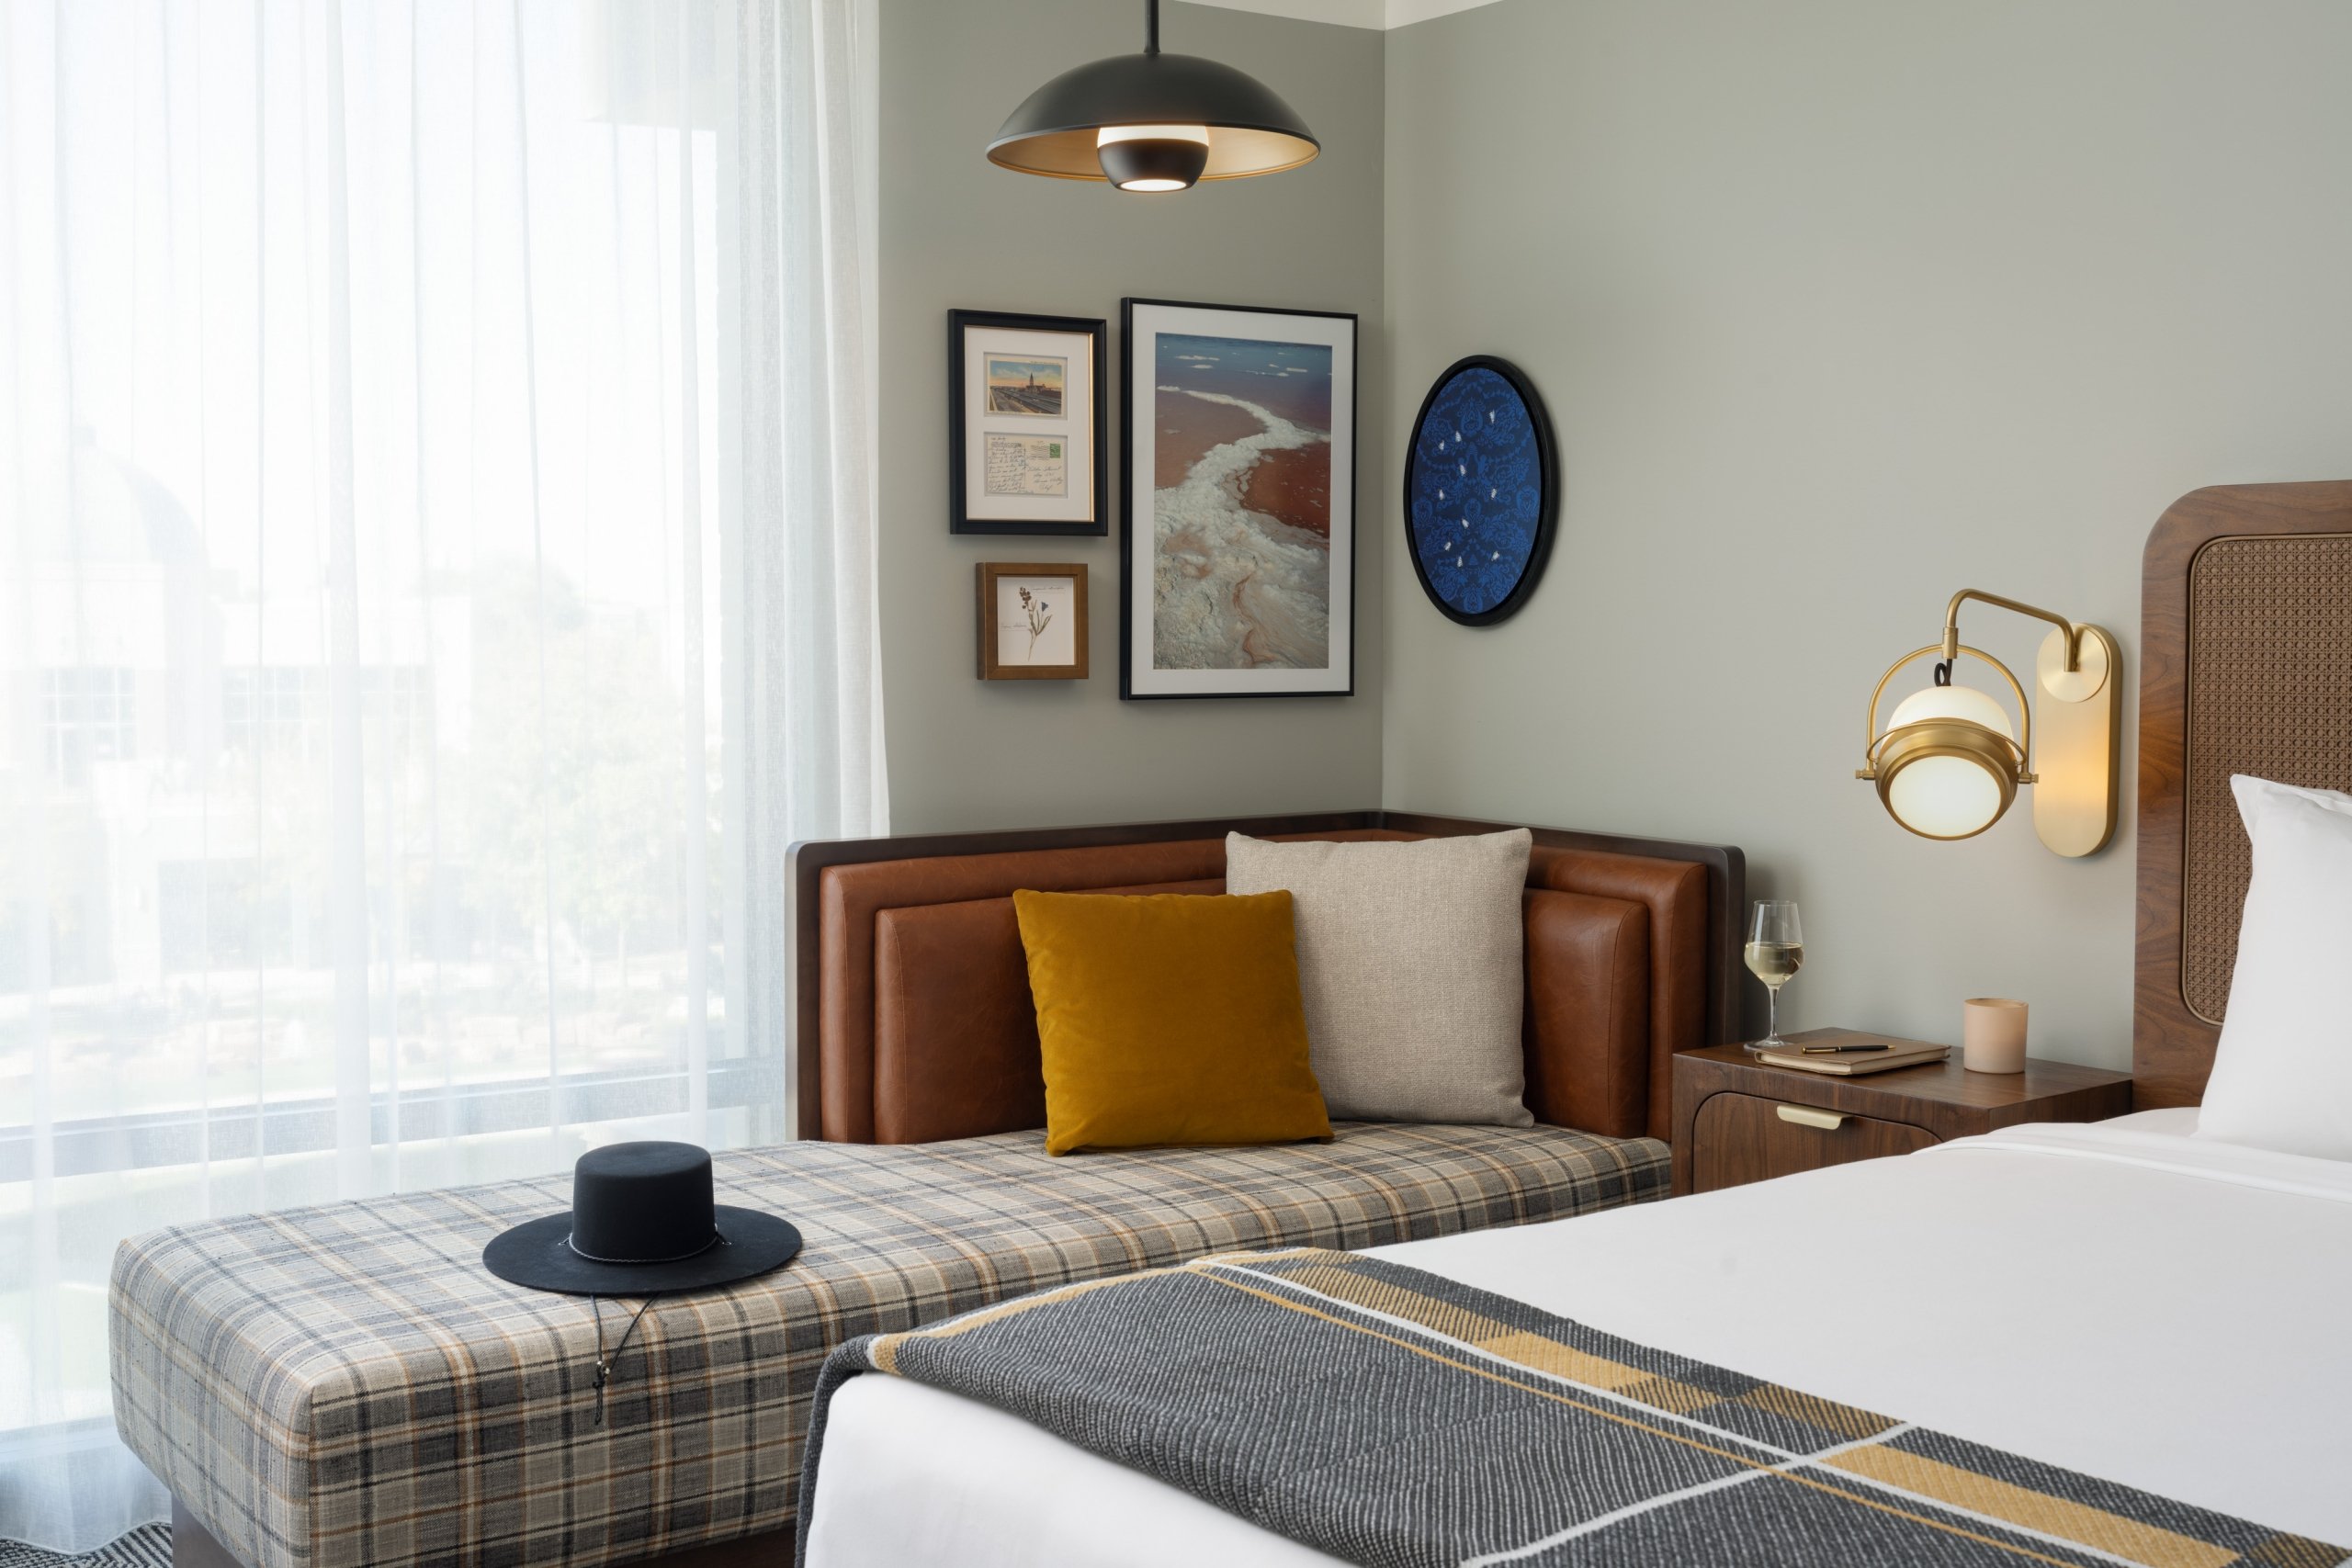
(1353, 13)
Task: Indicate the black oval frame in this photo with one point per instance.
(1547, 458)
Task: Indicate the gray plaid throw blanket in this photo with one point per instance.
(1392, 1403)
(343, 1385)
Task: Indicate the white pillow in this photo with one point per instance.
(2282, 1076)
(1411, 959)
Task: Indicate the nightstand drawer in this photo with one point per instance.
(1728, 1128)
(1741, 1138)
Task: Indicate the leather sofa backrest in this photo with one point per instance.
(923, 1028)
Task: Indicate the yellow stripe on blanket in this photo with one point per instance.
(1982, 1495)
(1825, 1414)
(1534, 1351)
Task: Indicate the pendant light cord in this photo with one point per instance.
(605, 1362)
(1151, 27)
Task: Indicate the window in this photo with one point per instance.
(372, 369)
(283, 709)
(86, 719)
(271, 709)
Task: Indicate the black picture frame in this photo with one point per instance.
(1132, 517)
(959, 425)
(1547, 455)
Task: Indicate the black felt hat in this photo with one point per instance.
(643, 1222)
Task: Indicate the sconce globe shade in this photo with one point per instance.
(1963, 703)
(1948, 765)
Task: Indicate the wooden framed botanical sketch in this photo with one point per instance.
(1033, 621)
(1236, 545)
(1024, 425)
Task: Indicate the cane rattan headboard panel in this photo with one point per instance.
(2246, 667)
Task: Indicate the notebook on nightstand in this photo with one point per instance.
(1852, 1063)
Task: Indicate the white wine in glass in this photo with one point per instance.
(1775, 952)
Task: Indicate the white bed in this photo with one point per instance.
(2118, 1299)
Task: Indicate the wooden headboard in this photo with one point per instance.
(2246, 667)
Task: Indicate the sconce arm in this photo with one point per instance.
(1951, 624)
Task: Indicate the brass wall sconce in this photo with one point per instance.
(1947, 766)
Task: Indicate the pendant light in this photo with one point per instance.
(1153, 122)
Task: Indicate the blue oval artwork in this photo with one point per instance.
(1480, 490)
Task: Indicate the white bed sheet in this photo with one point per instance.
(2113, 1298)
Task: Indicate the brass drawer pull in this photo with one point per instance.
(1806, 1116)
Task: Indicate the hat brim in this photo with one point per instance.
(538, 1253)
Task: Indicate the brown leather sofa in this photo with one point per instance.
(911, 1003)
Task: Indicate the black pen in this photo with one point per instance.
(1834, 1050)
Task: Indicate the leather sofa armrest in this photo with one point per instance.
(1587, 1035)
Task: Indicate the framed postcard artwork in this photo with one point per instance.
(1033, 621)
(1024, 425)
(1237, 548)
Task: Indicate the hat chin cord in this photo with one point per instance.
(596, 1305)
(605, 1362)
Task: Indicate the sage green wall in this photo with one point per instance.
(958, 232)
(1839, 306)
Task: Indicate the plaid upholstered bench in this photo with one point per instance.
(346, 1385)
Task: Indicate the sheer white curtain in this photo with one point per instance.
(435, 582)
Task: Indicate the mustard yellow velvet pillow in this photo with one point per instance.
(1169, 1018)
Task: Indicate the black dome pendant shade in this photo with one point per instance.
(1153, 122)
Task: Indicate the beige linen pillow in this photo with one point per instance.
(1409, 959)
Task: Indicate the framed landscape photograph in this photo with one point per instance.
(1025, 425)
(1236, 545)
(1033, 621)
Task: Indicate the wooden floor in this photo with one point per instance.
(192, 1544)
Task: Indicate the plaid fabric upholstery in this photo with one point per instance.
(347, 1385)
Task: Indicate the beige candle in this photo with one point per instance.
(1992, 1034)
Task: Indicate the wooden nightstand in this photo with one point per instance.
(1736, 1120)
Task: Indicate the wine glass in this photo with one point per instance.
(1775, 952)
